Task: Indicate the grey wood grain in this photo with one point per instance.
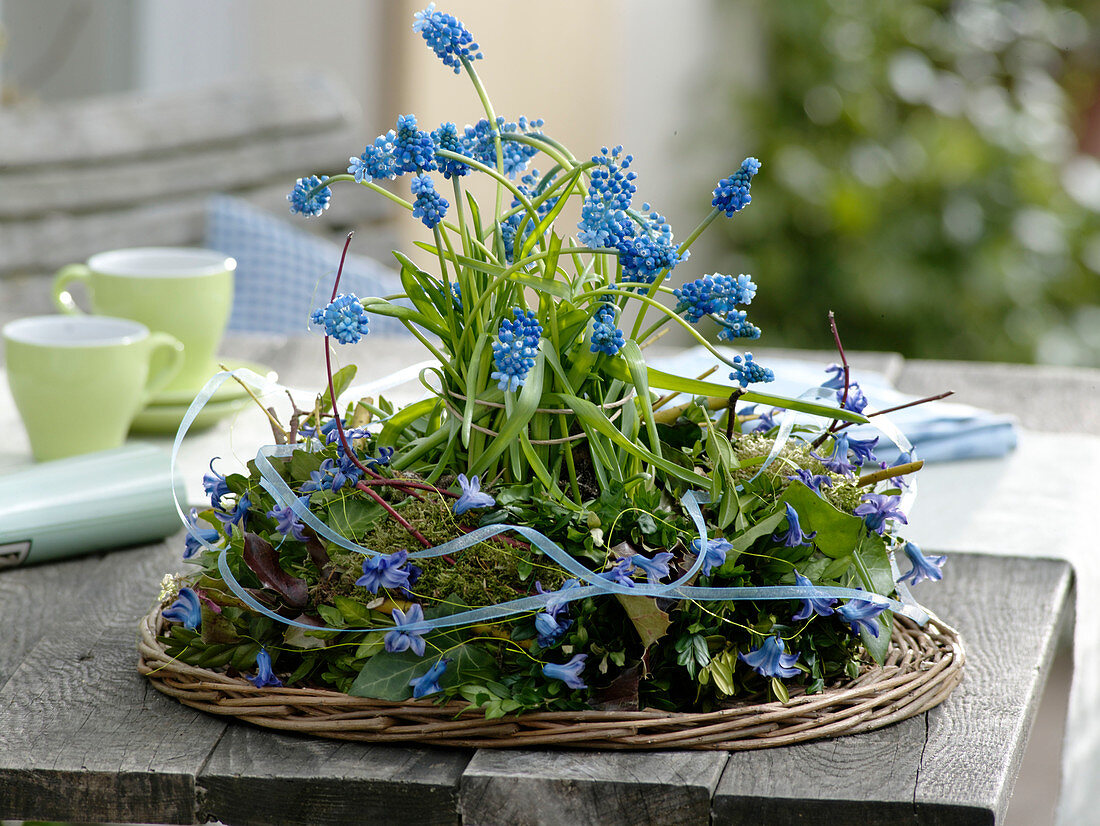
(28, 603)
(112, 127)
(954, 764)
(82, 735)
(1043, 397)
(257, 777)
(523, 788)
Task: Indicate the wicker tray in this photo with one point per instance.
(922, 668)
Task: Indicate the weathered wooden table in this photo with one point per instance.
(83, 737)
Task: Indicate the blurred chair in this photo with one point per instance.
(283, 272)
(83, 176)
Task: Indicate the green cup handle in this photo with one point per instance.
(174, 348)
(61, 295)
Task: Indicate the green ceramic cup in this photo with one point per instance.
(185, 292)
(79, 381)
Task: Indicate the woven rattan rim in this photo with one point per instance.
(923, 666)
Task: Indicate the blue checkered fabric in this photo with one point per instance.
(284, 272)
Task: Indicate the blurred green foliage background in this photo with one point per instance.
(926, 176)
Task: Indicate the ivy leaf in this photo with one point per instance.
(649, 621)
(387, 676)
(837, 532)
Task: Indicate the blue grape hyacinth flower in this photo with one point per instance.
(402, 638)
(447, 37)
(514, 351)
(569, 673)
(924, 567)
(343, 318)
(472, 495)
(306, 199)
(732, 194)
(821, 606)
(746, 371)
(377, 162)
(771, 659)
(186, 609)
(264, 675)
(430, 207)
(428, 682)
(606, 337)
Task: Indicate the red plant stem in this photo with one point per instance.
(897, 407)
(403, 483)
(398, 518)
(843, 360)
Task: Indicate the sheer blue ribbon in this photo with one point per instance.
(596, 585)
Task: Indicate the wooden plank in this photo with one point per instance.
(260, 777)
(1043, 397)
(130, 126)
(28, 605)
(516, 788)
(83, 736)
(44, 244)
(277, 159)
(955, 764)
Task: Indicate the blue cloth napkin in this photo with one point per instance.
(939, 431)
(284, 272)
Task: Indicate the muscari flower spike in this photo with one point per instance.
(715, 555)
(876, 508)
(428, 682)
(604, 222)
(186, 609)
(860, 614)
(413, 149)
(264, 675)
(924, 567)
(606, 337)
(771, 659)
(385, 571)
(306, 199)
(472, 495)
(514, 352)
(822, 606)
(447, 37)
(343, 318)
(793, 537)
(713, 295)
(569, 673)
(377, 161)
(430, 207)
(402, 639)
(732, 193)
(446, 137)
(746, 371)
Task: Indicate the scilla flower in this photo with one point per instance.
(428, 683)
(732, 193)
(715, 554)
(472, 495)
(877, 508)
(811, 480)
(192, 543)
(448, 38)
(214, 484)
(306, 199)
(264, 675)
(549, 628)
(385, 571)
(403, 639)
(569, 673)
(863, 449)
(771, 659)
(860, 614)
(924, 567)
(186, 609)
(430, 207)
(343, 318)
(793, 536)
(514, 352)
(856, 401)
(655, 569)
(822, 606)
(746, 371)
(287, 522)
